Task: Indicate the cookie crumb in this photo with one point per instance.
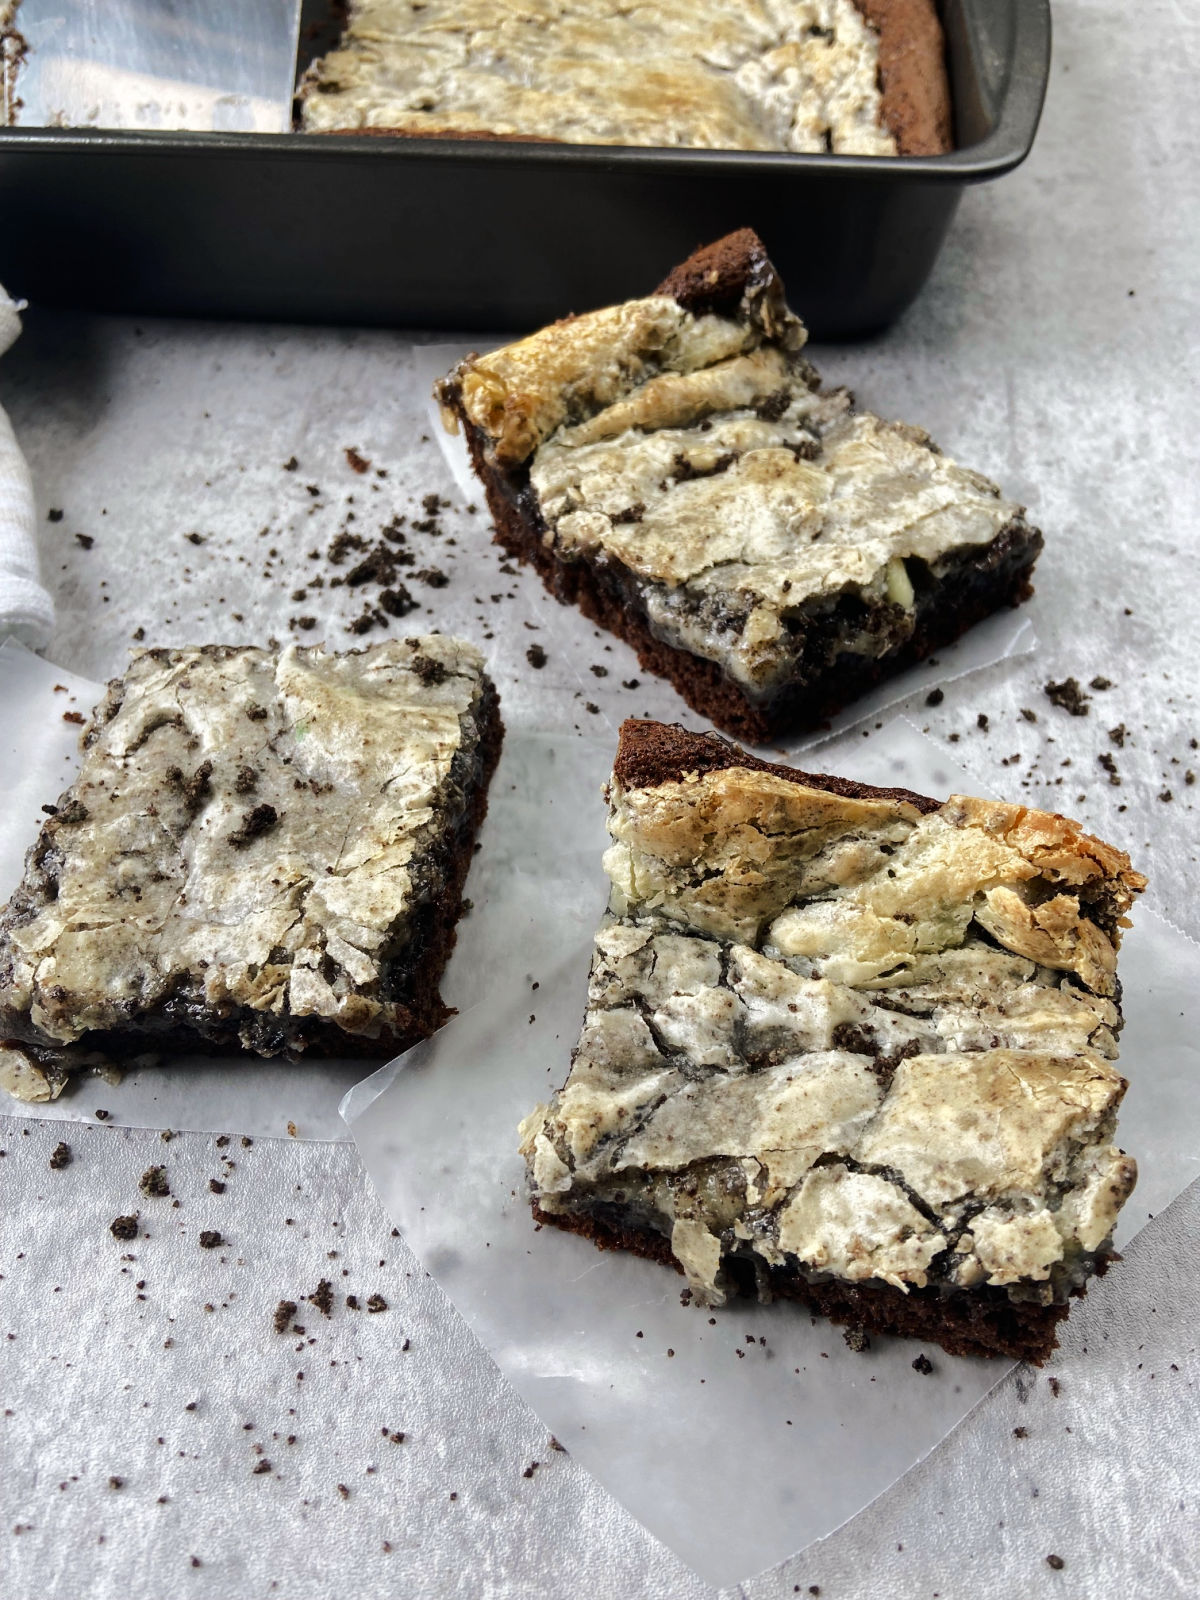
(536, 656)
(210, 1239)
(124, 1227)
(153, 1183)
(60, 1156)
(923, 1365)
(1068, 695)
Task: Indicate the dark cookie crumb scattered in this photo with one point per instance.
(433, 576)
(116, 1483)
(923, 1365)
(1100, 683)
(531, 1469)
(284, 1312)
(256, 713)
(429, 671)
(258, 820)
(397, 601)
(60, 1156)
(377, 1303)
(210, 1239)
(77, 717)
(1056, 1562)
(343, 1491)
(246, 781)
(153, 1183)
(124, 1227)
(1108, 761)
(262, 1465)
(215, 1186)
(981, 722)
(1068, 695)
(194, 538)
(290, 464)
(322, 1297)
(1055, 1387)
(54, 515)
(84, 540)
(856, 1338)
(1029, 713)
(935, 697)
(536, 656)
(355, 461)
(1020, 1433)
(101, 1115)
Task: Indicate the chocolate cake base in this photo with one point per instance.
(983, 579)
(185, 1025)
(964, 1323)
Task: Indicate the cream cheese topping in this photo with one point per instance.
(246, 829)
(800, 75)
(806, 1035)
(744, 502)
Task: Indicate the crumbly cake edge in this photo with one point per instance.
(964, 1322)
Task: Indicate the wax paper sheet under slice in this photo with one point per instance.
(738, 1440)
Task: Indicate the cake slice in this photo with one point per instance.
(263, 852)
(846, 1045)
(673, 467)
(851, 77)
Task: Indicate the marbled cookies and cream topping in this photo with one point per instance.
(799, 75)
(856, 1034)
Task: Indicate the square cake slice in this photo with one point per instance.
(673, 467)
(846, 1045)
(851, 77)
(263, 852)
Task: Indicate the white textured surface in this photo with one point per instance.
(1027, 356)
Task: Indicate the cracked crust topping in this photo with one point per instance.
(799, 75)
(691, 444)
(845, 1029)
(247, 831)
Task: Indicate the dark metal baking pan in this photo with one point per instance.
(457, 234)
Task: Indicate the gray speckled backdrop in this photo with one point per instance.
(1056, 349)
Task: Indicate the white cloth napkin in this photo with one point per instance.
(26, 609)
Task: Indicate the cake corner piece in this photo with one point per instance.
(673, 467)
(263, 853)
(846, 1045)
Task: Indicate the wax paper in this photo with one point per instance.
(735, 1440)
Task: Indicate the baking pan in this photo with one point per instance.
(475, 234)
